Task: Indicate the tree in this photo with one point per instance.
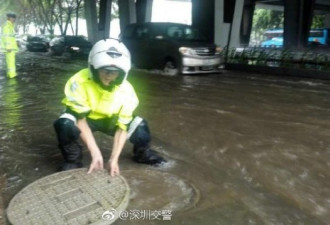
(79, 7)
(44, 16)
(64, 12)
(21, 8)
(114, 10)
(318, 21)
(264, 19)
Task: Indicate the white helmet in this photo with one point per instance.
(110, 53)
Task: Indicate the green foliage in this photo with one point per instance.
(285, 58)
(264, 19)
(46, 14)
(114, 10)
(318, 21)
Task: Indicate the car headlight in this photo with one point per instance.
(74, 48)
(187, 51)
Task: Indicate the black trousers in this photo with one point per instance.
(68, 134)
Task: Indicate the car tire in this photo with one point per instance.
(170, 68)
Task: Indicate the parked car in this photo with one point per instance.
(39, 43)
(174, 48)
(74, 45)
(21, 40)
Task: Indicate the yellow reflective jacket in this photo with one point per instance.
(84, 96)
(8, 41)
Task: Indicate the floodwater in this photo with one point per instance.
(255, 147)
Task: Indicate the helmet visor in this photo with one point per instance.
(110, 68)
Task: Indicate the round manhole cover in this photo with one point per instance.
(70, 197)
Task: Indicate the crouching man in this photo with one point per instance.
(99, 98)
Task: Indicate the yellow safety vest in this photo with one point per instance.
(84, 95)
(8, 41)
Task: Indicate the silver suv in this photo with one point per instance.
(172, 47)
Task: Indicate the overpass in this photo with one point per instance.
(226, 22)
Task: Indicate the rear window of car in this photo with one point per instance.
(76, 39)
(129, 32)
(141, 32)
(36, 39)
(185, 33)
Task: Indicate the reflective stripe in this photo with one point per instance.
(74, 86)
(124, 121)
(83, 94)
(134, 124)
(70, 117)
(79, 109)
(77, 104)
(8, 40)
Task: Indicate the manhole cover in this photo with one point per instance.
(70, 197)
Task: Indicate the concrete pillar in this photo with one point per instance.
(327, 21)
(221, 28)
(236, 25)
(246, 25)
(203, 17)
(227, 24)
(91, 20)
(298, 16)
(98, 30)
(127, 13)
(104, 19)
(143, 10)
(149, 11)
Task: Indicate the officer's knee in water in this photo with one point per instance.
(66, 130)
(141, 135)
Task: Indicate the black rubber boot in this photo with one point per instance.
(69, 166)
(67, 135)
(72, 154)
(147, 156)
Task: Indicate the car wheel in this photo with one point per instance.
(170, 68)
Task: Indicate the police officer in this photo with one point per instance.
(100, 98)
(9, 44)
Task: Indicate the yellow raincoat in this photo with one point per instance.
(9, 45)
(85, 96)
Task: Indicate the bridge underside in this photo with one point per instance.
(226, 22)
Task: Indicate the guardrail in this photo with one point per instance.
(314, 59)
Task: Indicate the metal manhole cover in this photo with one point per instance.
(70, 197)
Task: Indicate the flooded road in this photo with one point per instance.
(256, 147)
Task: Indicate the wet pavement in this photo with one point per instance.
(256, 147)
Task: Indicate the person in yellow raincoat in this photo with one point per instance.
(99, 98)
(9, 44)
